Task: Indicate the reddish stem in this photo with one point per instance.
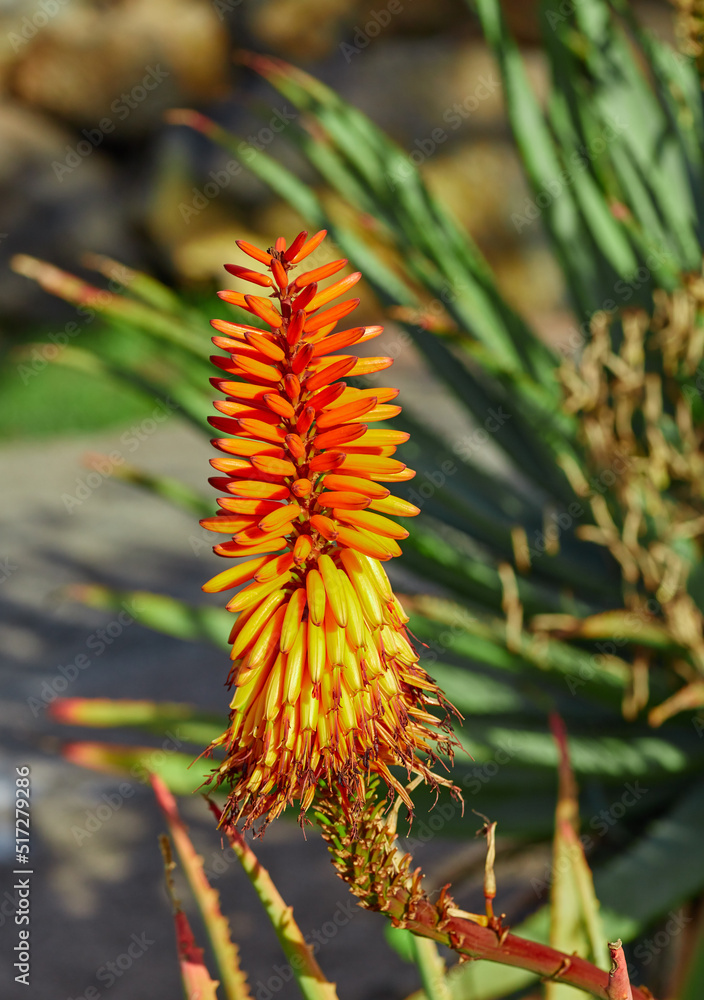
(468, 938)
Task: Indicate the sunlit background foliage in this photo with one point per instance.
(549, 332)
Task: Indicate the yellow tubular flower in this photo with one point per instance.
(328, 687)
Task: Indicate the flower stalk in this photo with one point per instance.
(380, 875)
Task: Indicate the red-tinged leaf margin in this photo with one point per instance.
(309, 976)
(197, 981)
(233, 979)
(180, 771)
(575, 877)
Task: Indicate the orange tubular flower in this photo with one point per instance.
(327, 684)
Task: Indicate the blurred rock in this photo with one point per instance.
(468, 90)
(124, 62)
(476, 181)
(410, 86)
(67, 210)
(531, 281)
(424, 18)
(25, 135)
(153, 196)
(201, 258)
(471, 78)
(311, 29)
(174, 180)
(522, 19)
(307, 29)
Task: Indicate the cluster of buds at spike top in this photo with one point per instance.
(327, 684)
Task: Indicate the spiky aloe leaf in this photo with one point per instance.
(179, 772)
(196, 623)
(233, 979)
(191, 724)
(309, 976)
(195, 977)
(167, 487)
(575, 923)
